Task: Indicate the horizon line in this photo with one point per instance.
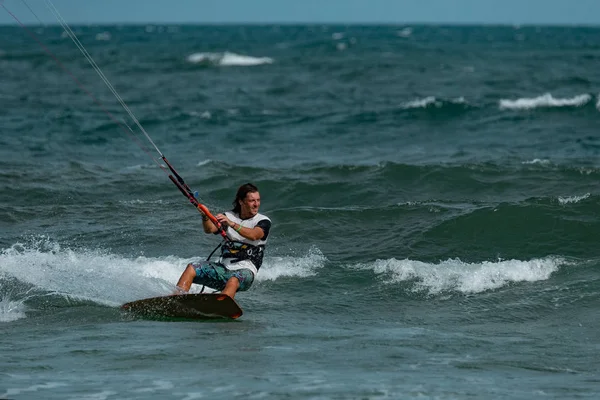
(290, 23)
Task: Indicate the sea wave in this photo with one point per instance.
(227, 59)
(545, 101)
(464, 277)
(434, 102)
(573, 199)
(41, 266)
(11, 310)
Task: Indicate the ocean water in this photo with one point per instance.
(434, 192)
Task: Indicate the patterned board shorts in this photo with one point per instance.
(215, 275)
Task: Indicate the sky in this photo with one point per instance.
(514, 12)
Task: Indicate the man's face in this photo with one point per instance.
(251, 204)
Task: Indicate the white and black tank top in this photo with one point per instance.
(240, 248)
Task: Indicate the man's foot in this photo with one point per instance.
(179, 291)
(232, 295)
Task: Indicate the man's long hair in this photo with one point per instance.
(241, 195)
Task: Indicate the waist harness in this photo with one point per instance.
(239, 251)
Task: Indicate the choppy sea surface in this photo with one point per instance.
(434, 192)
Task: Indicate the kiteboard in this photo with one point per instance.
(188, 306)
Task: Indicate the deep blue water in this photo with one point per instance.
(433, 190)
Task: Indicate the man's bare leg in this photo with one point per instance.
(185, 282)
(231, 286)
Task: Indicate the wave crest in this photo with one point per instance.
(545, 101)
(227, 59)
(456, 275)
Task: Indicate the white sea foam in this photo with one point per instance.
(587, 171)
(11, 310)
(456, 275)
(103, 36)
(545, 101)
(198, 58)
(430, 101)
(572, 199)
(138, 167)
(140, 202)
(277, 267)
(405, 32)
(537, 161)
(88, 274)
(236, 59)
(41, 387)
(227, 59)
(421, 103)
(112, 279)
(12, 302)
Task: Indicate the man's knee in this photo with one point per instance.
(234, 281)
(190, 270)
